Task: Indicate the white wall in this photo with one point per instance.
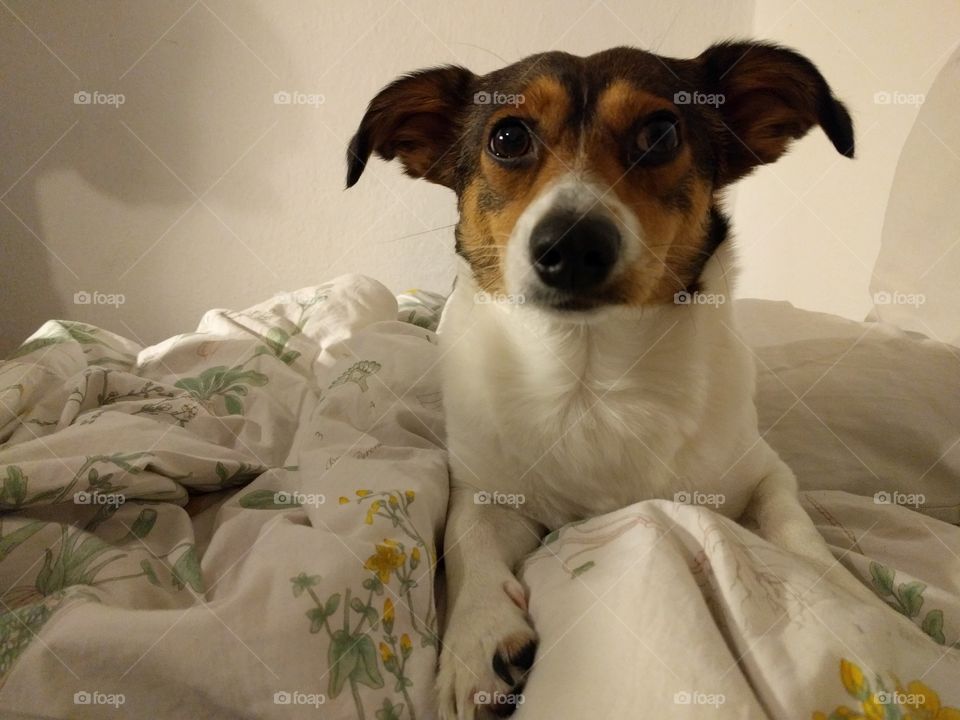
(200, 192)
(106, 198)
(809, 226)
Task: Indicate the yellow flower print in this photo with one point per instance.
(385, 652)
(852, 678)
(363, 493)
(409, 494)
(393, 501)
(388, 611)
(915, 702)
(874, 708)
(405, 644)
(344, 500)
(372, 511)
(923, 703)
(387, 558)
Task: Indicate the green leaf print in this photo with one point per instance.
(882, 578)
(389, 711)
(303, 582)
(317, 617)
(933, 626)
(33, 345)
(911, 597)
(143, 524)
(268, 500)
(57, 332)
(233, 404)
(333, 602)
(342, 661)
(907, 599)
(186, 571)
(14, 490)
(74, 563)
(150, 573)
(230, 383)
(578, 571)
(367, 671)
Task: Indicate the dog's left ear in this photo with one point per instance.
(770, 96)
(417, 119)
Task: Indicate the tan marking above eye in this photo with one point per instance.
(546, 100)
(621, 104)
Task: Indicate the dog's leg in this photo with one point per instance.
(488, 644)
(780, 518)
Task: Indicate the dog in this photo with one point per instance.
(584, 365)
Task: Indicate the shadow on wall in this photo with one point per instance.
(100, 104)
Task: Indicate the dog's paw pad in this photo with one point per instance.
(506, 705)
(514, 654)
(488, 651)
(512, 661)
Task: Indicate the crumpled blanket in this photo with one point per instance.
(243, 522)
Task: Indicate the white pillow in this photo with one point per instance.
(877, 414)
(914, 283)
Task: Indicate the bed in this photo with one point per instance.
(243, 522)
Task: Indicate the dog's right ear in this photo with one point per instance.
(417, 119)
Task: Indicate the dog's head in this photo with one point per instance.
(587, 182)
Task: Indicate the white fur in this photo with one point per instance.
(581, 415)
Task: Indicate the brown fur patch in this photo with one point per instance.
(492, 201)
(670, 201)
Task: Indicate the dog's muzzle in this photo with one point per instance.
(574, 253)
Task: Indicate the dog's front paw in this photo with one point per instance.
(488, 649)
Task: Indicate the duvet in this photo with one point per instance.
(243, 522)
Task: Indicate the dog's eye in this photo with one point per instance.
(510, 139)
(657, 140)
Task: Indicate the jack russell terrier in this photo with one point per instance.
(582, 368)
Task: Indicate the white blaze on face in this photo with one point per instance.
(581, 196)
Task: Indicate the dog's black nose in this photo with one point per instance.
(574, 252)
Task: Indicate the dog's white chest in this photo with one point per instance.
(577, 420)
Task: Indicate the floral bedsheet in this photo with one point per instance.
(243, 522)
(136, 580)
